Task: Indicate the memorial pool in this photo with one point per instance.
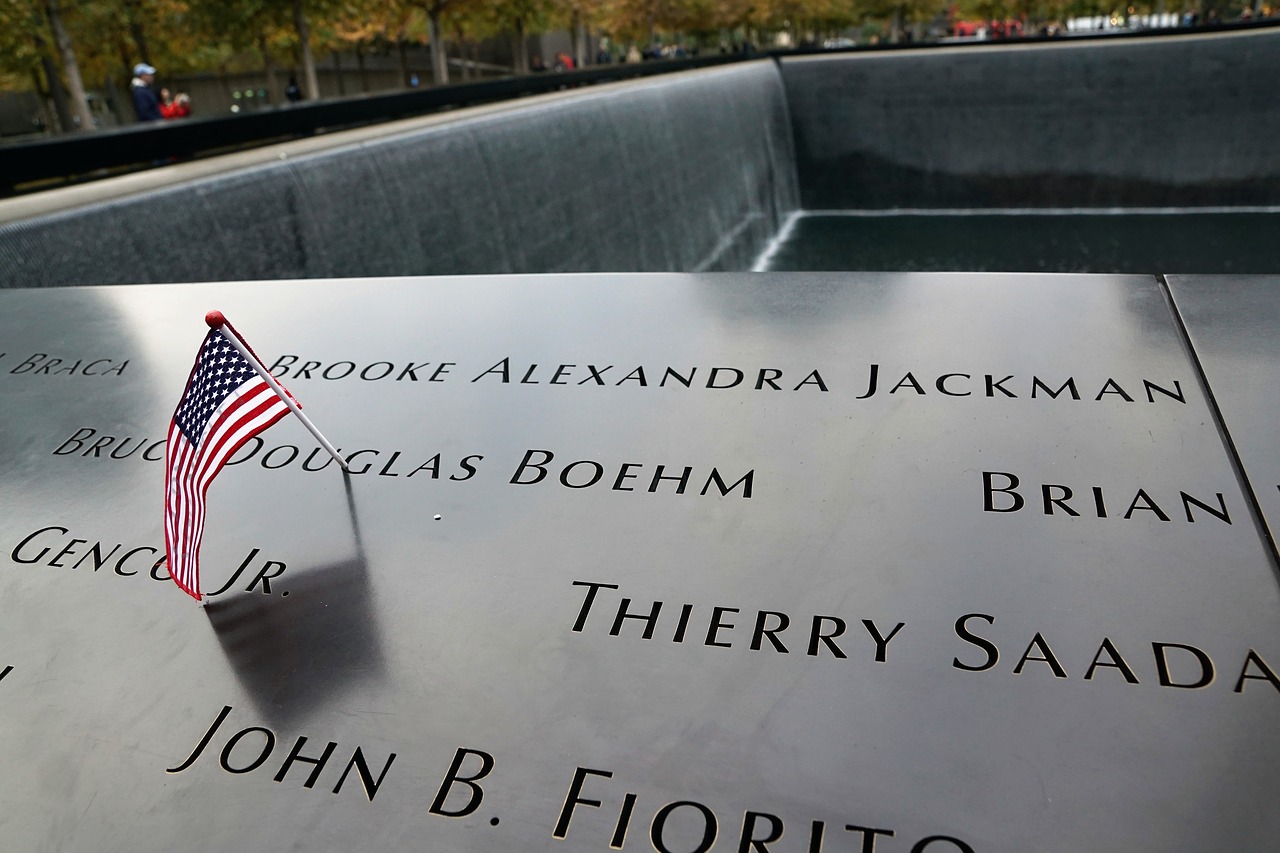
(1240, 240)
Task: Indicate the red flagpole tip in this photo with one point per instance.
(215, 319)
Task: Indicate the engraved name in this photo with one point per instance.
(1176, 665)
(603, 611)
(1011, 386)
(696, 827)
(720, 626)
(506, 372)
(57, 547)
(44, 364)
(250, 748)
(535, 467)
(1002, 492)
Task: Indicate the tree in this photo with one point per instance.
(435, 10)
(262, 18)
(70, 66)
(902, 12)
(24, 57)
(303, 28)
(519, 18)
(242, 27)
(579, 15)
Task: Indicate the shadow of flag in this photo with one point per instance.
(294, 654)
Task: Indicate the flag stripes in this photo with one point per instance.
(224, 405)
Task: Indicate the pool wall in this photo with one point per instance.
(690, 171)
(1173, 121)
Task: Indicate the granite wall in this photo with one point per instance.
(1170, 121)
(691, 171)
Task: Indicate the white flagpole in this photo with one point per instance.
(219, 322)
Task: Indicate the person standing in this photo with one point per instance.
(145, 103)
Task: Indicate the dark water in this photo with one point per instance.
(1012, 242)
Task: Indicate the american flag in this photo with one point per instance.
(225, 404)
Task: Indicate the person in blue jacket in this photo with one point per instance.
(145, 103)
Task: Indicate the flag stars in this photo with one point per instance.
(220, 371)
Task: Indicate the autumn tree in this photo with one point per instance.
(521, 18)
(241, 28)
(25, 56)
(70, 65)
(358, 24)
(579, 16)
(435, 10)
(470, 22)
(903, 12)
(302, 26)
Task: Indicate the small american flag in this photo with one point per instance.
(225, 404)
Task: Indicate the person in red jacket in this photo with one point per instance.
(179, 107)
